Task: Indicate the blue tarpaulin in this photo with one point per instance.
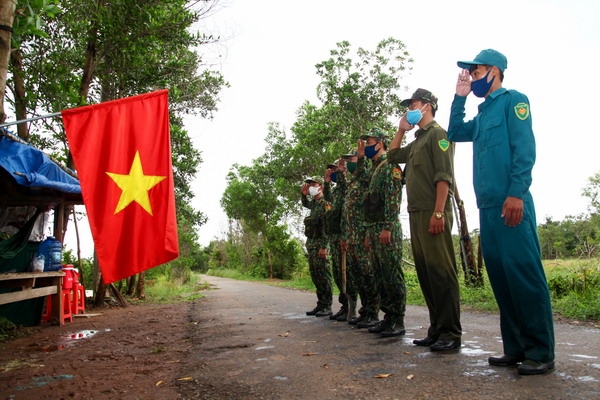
(32, 168)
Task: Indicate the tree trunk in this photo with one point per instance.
(7, 16)
(141, 286)
(16, 60)
(269, 258)
(473, 276)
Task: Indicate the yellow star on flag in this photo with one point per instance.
(135, 186)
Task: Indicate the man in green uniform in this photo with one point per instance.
(503, 159)
(384, 234)
(429, 177)
(335, 174)
(316, 245)
(361, 277)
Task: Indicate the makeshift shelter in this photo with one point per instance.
(30, 184)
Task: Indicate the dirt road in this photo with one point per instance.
(247, 340)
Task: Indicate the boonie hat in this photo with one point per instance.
(423, 95)
(486, 57)
(333, 164)
(377, 134)
(350, 154)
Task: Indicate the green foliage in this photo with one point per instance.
(165, 290)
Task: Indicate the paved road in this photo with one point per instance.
(255, 341)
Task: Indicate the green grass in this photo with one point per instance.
(163, 291)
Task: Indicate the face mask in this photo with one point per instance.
(333, 177)
(414, 116)
(351, 166)
(481, 87)
(314, 190)
(370, 151)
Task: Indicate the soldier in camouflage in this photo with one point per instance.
(316, 245)
(384, 234)
(360, 270)
(335, 195)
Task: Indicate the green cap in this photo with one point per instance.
(423, 95)
(377, 134)
(486, 57)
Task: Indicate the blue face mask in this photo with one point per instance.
(413, 117)
(370, 151)
(333, 177)
(481, 87)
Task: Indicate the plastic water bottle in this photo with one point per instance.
(51, 249)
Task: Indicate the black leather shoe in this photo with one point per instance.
(325, 312)
(313, 311)
(356, 320)
(426, 342)
(393, 329)
(532, 367)
(380, 327)
(337, 314)
(367, 322)
(444, 345)
(505, 360)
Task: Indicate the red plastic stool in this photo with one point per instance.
(78, 298)
(67, 307)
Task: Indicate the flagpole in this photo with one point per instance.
(29, 119)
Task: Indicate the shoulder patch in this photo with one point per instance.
(522, 111)
(397, 173)
(444, 144)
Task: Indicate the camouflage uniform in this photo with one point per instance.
(382, 210)
(333, 230)
(320, 272)
(359, 266)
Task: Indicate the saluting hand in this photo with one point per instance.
(360, 148)
(341, 165)
(463, 85)
(304, 189)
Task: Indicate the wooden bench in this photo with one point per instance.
(33, 285)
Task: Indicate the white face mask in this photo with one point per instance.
(314, 190)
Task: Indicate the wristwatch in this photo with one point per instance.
(438, 215)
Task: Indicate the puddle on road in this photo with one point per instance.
(70, 338)
(264, 347)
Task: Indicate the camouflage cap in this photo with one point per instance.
(333, 164)
(377, 134)
(423, 95)
(314, 179)
(350, 154)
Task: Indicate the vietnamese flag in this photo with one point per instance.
(122, 153)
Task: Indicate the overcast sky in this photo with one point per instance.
(270, 49)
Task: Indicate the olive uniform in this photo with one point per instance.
(429, 160)
(320, 271)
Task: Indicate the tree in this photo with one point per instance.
(98, 50)
(355, 96)
(592, 192)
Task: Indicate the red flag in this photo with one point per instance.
(122, 153)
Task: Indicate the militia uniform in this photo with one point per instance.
(429, 160)
(503, 158)
(316, 240)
